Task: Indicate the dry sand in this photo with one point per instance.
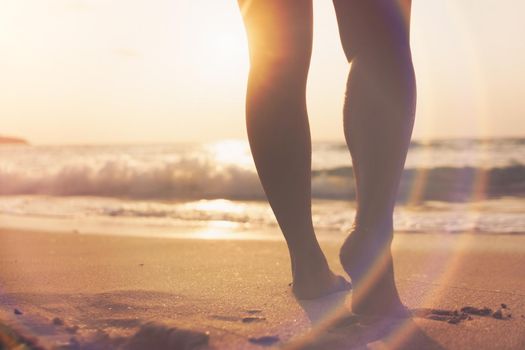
(95, 291)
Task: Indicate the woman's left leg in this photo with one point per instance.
(280, 41)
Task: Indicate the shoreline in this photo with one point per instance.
(184, 229)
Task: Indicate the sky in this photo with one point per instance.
(128, 71)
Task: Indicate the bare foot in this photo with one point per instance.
(312, 278)
(366, 257)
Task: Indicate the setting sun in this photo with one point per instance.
(218, 48)
(228, 53)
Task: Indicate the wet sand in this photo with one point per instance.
(76, 290)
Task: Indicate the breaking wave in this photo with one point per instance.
(194, 178)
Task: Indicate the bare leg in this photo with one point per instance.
(280, 40)
(378, 120)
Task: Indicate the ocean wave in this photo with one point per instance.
(195, 178)
(439, 183)
(183, 178)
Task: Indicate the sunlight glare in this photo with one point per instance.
(217, 206)
(229, 152)
(218, 50)
(218, 230)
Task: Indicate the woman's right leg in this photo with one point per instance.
(280, 41)
(378, 119)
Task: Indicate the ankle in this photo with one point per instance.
(375, 227)
(310, 257)
(365, 241)
(310, 260)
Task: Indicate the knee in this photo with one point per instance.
(282, 45)
(380, 48)
(274, 56)
(381, 33)
(286, 68)
(383, 64)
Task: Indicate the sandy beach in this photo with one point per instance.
(96, 291)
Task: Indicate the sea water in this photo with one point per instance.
(448, 186)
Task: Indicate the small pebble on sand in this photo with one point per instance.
(438, 317)
(253, 319)
(17, 312)
(498, 314)
(253, 311)
(444, 312)
(454, 320)
(475, 311)
(265, 341)
(58, 321)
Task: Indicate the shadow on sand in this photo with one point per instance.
(334, 327)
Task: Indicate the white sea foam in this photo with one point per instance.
(162, 184)
(503, 216)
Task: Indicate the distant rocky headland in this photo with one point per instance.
(9, 140)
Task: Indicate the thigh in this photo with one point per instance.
(365, 24)
(278, 30)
